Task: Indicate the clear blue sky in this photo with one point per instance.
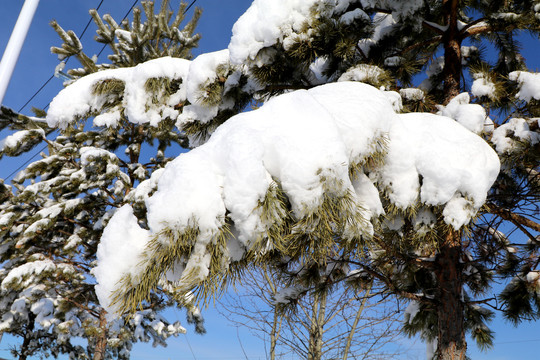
(36, 65)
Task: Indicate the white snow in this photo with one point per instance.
(529, 84)
(384, 23)
(30, 268)
(353, 15)
(265, 23)
(451, 160)
(119, 254)
(305, 140)
(483, 87)
(18, 138)
(412, 94)
(472, 116)
(504, 136)
(363, 72)
(201, 71)
(78, 99)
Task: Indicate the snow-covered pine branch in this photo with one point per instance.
(270, 179)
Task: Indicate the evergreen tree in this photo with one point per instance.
(386, 43)
(428, 238)
(53, 215)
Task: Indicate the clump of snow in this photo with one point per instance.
(265, 23)
(434, 68)
(482, 86)
(17, 139)
(79, 99)
(289, 294)
(451, 160)
(353, 15)
(364, 73)
(400, 9)
(411, 311)
(505, 136)
(395, 100)
(384, 24)
(27, 269)
(394, 61)
(412, 94)
(306, 140)
(119, 253)
(529, 84)
(202, 71)
(317, 69)
(472, 116)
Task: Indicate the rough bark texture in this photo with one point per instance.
(101, 341)
(451, 344)
(452, 51)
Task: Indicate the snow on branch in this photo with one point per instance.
(308, 168)
(164, 88)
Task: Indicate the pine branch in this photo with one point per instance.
(513, 217)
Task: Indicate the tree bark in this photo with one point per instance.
(451, 344)
(356, 321)
(452, 51)
(101, 341)
(317, 324)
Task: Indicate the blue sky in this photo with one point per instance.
(36, 65)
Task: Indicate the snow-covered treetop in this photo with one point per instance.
(268, 175)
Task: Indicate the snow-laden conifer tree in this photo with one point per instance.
(53, 215)
(339, 171)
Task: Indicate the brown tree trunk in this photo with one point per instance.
(451, 344)
(452, 51)
(101, 341)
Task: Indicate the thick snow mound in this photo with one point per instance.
(119, 254)
(307, 140)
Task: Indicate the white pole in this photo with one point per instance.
(13, 48)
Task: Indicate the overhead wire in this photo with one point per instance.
(37, 92)
(52, 76)
(124, 18)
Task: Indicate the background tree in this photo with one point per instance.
(52, 218)
(330, 322)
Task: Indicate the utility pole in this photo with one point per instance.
(13, 48)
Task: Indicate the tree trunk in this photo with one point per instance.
(101, 341)
(317, 324)
(356, 321)
(274, 335)
(451, 344)
(27, 336)
(452, 52)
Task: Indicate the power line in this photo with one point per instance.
(190, 5)
(41, 88)
(124, 18)
(25, 163)
(52, 76)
